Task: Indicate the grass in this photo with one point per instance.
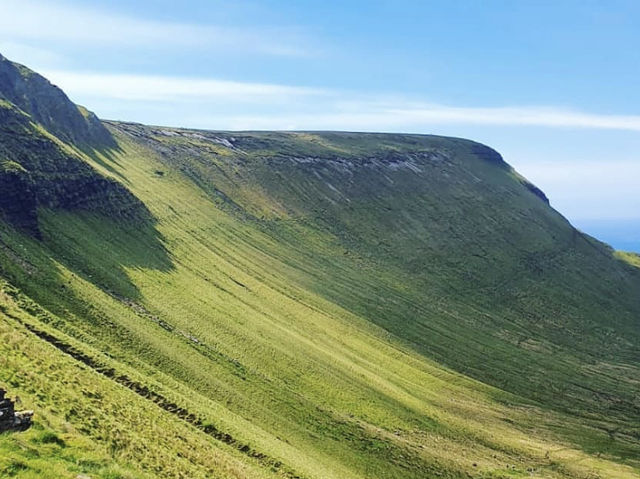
(381, 313)
(631, 258)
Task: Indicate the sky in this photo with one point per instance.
(552, 85)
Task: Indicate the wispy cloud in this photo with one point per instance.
(40, 21)
(29, 54)
(274, 106)
(174, 89)
(524, 116)
(413, 118)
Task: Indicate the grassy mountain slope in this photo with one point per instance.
(460, 255)
(315, 305)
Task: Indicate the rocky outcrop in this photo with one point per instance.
(18, 200)
(488, 154)
(536, 191)
(492, 156)
(10, 420)
(48, 105)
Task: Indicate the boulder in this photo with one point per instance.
(10, 420)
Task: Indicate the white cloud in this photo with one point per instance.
(151, 88)
(40, 21)
(29, 55)
(296, 107)
(367, 116)
(274, 106)
(524, 116)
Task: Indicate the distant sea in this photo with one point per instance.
(623, 235)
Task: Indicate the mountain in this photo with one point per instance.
(42, 134)
(47, 105)
(185, 303)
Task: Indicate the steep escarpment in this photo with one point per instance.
(43, 140)
(49, 105)
(38, 170)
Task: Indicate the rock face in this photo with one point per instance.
(48, 105)
(38, 170)
(489, 155)
(10, 420)
(18, 199)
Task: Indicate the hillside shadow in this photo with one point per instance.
(103, 251)
(99, 154)
(79, 255)
(104, 231)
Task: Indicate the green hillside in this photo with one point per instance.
(191, 304)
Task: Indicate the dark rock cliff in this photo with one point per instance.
(18, 197)
(48, 105)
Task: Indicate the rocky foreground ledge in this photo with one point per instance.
(10, 420)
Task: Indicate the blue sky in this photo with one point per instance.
(553, 85)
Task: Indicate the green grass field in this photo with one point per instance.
(262, 327)
(307, 305)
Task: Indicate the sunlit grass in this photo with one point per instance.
(308, 342)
